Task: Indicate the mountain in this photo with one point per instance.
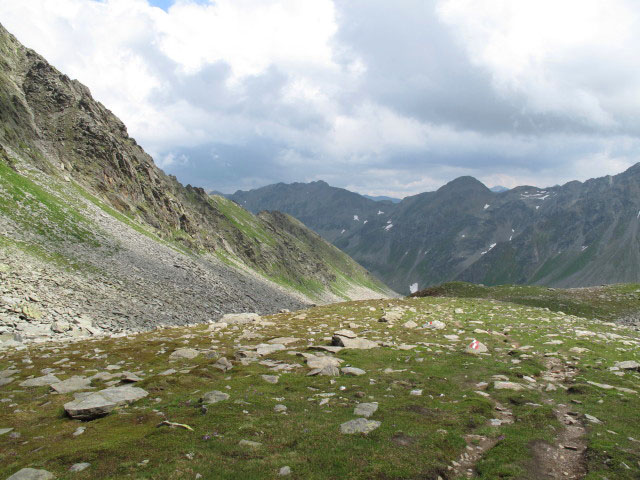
(498, 189)
(578, 234)
(383, 198)
(81, 198)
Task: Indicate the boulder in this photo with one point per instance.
(269, 348)
(346, 333)
(88, 406)
(223, 364)
(628, 365)
(435, 325)
(410, 324)
(40, 381)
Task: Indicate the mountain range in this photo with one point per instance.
(577, 234)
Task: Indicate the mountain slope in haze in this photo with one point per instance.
(578, 234)
(68, 169)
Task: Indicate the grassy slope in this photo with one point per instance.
(604, 303)
(307, 438)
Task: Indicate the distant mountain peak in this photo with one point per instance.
(465, 183)
(499, 189)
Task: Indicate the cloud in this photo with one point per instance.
(385, 98)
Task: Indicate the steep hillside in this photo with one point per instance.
(578, 234)
(80, 197)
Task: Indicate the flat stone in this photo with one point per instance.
(40, 381)
(326, 348)
(365, 409)
(72, 384)
(271, 378)
(320, 362)
(284, 340)
(591, 418)
(9, 372)
(628, 365)
(284, 471)
(346, 333)
(5, 430)
(356, 372)
(239, 318)
(410, 324)
(168, 372)
(32, 474)
(359, 425)
(269, 348)
(6, 381)
(184, 353)
(97, 404)
(79, 467)
(249, 443)
(435, 325)
(214, 397)
(356, 343)
(327, 370)
(507, 386)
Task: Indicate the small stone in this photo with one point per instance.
(416, 392)
(214, 397)
(78, 467)
(280, 408)
(249, 443)
(592, 419)
(353, 371)
(435, 325)
(507, 386)
(273, 379)
(410, 324)
(359, 425)
(284, 471)
(168, 372)
(476, 347)
(79, 431)
(223, 364)
(184, 353)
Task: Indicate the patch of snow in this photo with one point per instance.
(380, 212)
(365, 222)
(388, 227)
(638, 214)
(486, 205)
(343, 230)
(389, 221)
(510, 237)
(356, 218)
(413, 288)
(583, 248)
(537, 207)
(463, 235)
(489, 249)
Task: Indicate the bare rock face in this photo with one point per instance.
(94, 405)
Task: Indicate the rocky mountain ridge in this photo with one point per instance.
(86, 207)
(578, 234)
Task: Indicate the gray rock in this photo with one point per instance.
(6, 381)
(365, 409)
(435, 325)
(476, 347)
(507, 386)
(269, 348)
(5, 430)
(40, 381)
(168, 372)
(271, 378)
(32, 474)
(628, 365)
(72, 384)
(359, 425)
(320, 362)
(214, 397)
(356, 372)
(356, 343)
(79, 467)
(284, 471)
(345, 333)
(279, 408)
(223, 364)
(249, 443)
(240, 318)
(93, 405)
(327, 370)
(9, 372)
(184, 353)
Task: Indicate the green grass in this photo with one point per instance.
(307, 438)
(603, 303)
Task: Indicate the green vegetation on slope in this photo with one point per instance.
(610, 302)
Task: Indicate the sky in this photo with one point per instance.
(382, 98)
